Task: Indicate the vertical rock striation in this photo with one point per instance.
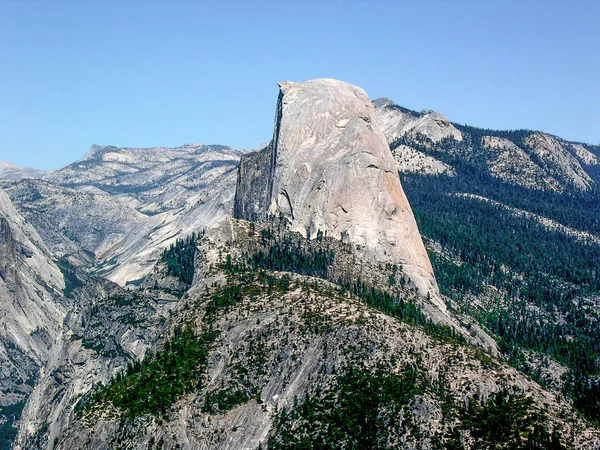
(31, 310)
(329, 170)
(252, 194)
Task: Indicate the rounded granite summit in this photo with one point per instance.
(330, 170)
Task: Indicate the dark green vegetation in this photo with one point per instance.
(503, 421)
(179, 258)
(7, 430)
(151, 386)
(224, 400)
(529, 264)
(154, 384)
(371, 409)
(300, 257)
(291, 256)
(396, 306)
(69, 272)
(356, 413)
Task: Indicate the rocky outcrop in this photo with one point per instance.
(584, 155)
(106, 327)
(7, 252)
(88, 225)
(529, 159)
(411, 160)
(331, 172)
(510, 163)
(554, 156)
(397, 122)
(539, 161)
(30, 283)
(252, 190)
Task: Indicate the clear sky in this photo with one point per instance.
(144, 73)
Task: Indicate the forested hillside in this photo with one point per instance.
(524, 262)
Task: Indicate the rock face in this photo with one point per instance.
(31, 308)
(584, 155)
(105, 328)
(30, 283)
(510, 163)
(252, 189)
(558, 161)
(397, 122)
(116, 209)
(411, 160)
(331, 171)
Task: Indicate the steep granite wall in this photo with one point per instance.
(331, 171)
(252, 189)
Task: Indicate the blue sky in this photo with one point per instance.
(163, 73)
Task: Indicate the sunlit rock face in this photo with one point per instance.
(32, 307)
(329, 170)
(397, 122)
(116, 209)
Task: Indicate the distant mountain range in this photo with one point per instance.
(525, 158)
(10, 171)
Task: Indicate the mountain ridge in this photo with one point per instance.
(523, 157)
(10, 171)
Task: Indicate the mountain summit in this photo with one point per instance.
(329, 171)
(10, 171)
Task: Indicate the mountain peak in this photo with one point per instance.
(10, 171)
(95, 151)
(397, 122)
(6, 164)
(329, 170)
(382, 102)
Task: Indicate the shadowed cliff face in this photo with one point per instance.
(7, 252)
(252, 193)
(329, 170)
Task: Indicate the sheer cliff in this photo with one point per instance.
(329, 170)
